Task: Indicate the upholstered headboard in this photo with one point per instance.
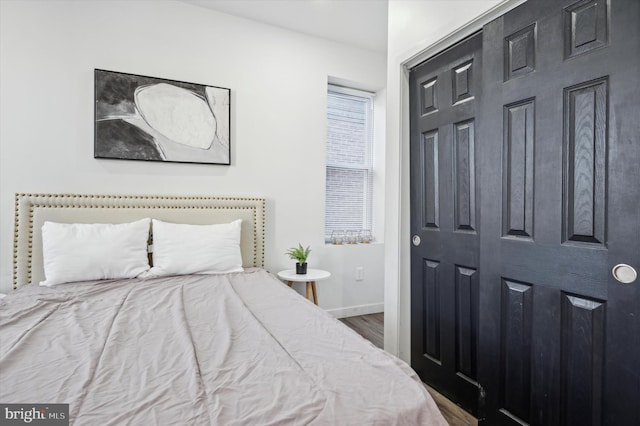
(32, 210)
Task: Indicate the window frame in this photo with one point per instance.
(367, 166)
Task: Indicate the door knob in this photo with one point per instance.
(624, 273)
(415, 240)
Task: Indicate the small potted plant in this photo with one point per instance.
(300, 254)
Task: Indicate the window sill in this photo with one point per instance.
(374, 243)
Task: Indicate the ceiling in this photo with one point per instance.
(361, 23)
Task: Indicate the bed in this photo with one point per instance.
(236, 348)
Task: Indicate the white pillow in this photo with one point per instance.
(83, 252)
(180, 249)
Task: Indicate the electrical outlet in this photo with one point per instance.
(359, 273)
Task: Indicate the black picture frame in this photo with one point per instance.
(146, 118)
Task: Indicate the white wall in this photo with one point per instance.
(278, 78)
(413, 27)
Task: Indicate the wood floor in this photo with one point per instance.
(371, 327)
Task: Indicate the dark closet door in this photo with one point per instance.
(444, 221)
(560, 185)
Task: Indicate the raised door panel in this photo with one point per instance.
(428, 99)
(464, 176)
(431, 303)
(586, 26)
(462, 82)
(429, 181)
(515, 353)
(518, 170)
(466, 322)
(582, 360)
(520, 53)
(585, 155)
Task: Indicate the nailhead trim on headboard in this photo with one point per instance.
(26, 203)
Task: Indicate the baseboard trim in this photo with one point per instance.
(353, 311)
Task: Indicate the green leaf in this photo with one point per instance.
(299, 253)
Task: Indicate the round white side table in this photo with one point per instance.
(310, 278)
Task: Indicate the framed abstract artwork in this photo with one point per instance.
(154, 119)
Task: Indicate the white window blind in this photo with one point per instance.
(349, 191)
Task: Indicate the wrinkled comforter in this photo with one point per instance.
(233, 349)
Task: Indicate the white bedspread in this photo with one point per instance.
(234, 349)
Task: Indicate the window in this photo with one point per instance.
(349, 179)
